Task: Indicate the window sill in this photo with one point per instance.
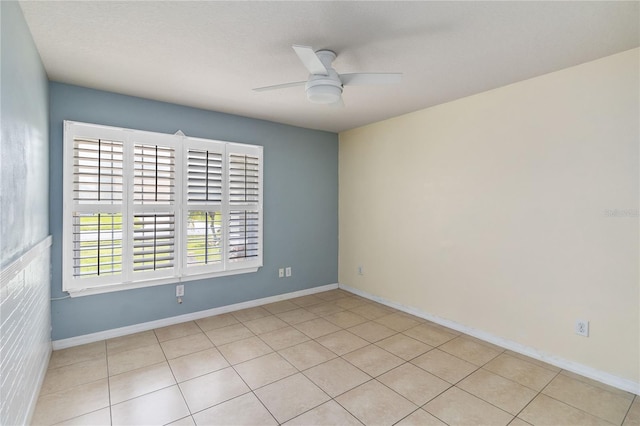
(109, 288)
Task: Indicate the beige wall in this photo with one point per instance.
(493, 211)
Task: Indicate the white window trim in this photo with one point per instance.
(180, 272)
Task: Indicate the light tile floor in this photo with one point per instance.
(326, 359)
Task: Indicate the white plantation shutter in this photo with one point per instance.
(244, 221)
(204, 197)
(94, 206)
(97, 199)
(143, 208)
(153, 212)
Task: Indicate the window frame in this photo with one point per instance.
(180, 206)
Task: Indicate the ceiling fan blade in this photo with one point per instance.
(370, 78)
(280, 86)
(310, 60)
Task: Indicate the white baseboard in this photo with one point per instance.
(574, 367)
(136, 328)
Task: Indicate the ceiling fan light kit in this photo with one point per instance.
(323, 93)
(324, 89)
(325, 85)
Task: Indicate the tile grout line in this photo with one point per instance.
(106, 355)
(573, 406)
(634, 400)
(490, 403)
(579, 409)
(536, 396)
(511, 380)
(252, 391)
(177, 384)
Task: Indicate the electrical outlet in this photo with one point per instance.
(288, 271)
(582, 328)
(281, 273)
(180, 290)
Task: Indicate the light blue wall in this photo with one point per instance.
(300, 209)
(25, 139)
(25, 338)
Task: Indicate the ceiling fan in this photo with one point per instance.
(325, 85)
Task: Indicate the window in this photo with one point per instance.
(143, 208)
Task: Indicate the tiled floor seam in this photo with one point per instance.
(265, 407)
(488, 402)
(304, 412)
(538, 393)
(579, 409)
(421, 408)
(537, 362)
(270, 383)
(253, 391)
(345, 408)
(80, 415)
(452, 384)
(106, 353)
(411, 413)
(633, 400)
(177, 384)
(541, 392)
(528, 387)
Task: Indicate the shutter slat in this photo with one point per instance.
(157, 258)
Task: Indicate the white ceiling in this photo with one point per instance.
(211, 54)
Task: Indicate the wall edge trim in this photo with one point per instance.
(44, 367)
(10, 271)
(574, 367)
(150, 325)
